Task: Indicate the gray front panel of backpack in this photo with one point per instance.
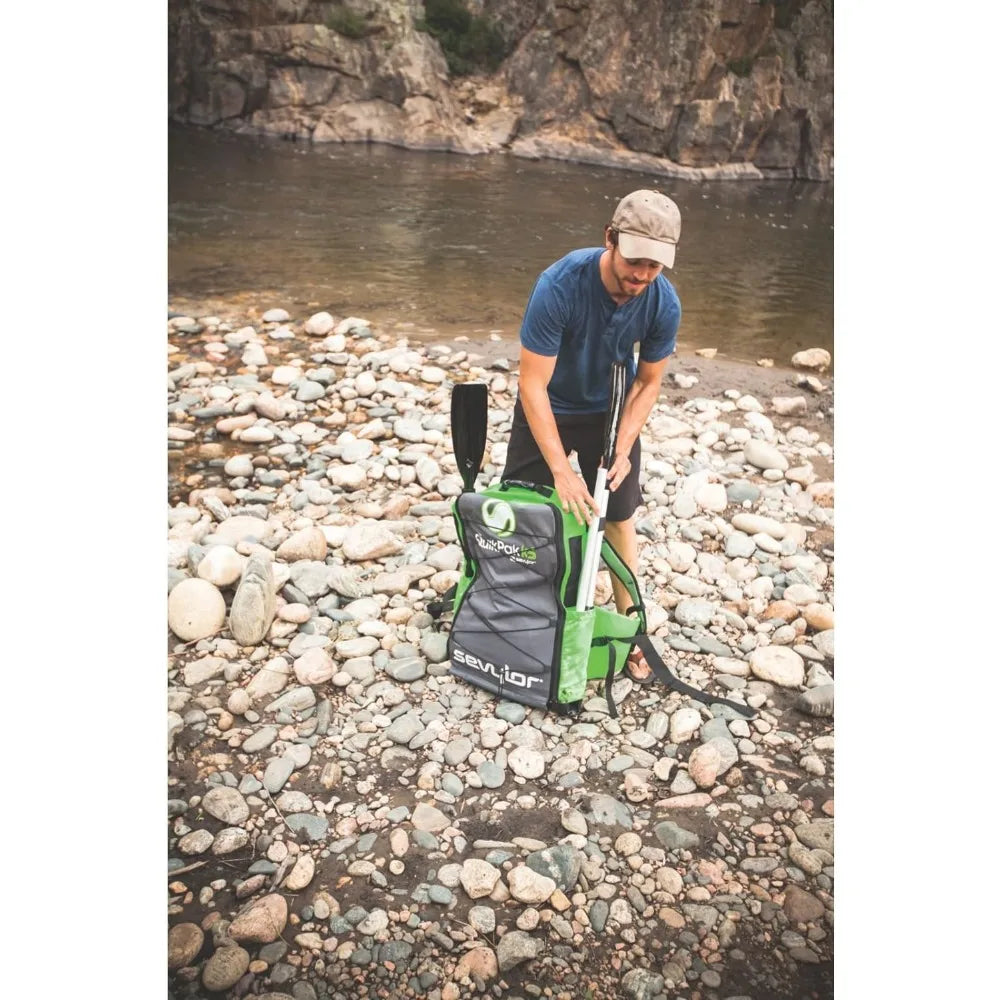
(504, 635)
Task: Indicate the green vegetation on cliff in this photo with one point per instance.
(470, 43)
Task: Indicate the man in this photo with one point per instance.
(585, 312)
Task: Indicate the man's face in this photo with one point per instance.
(632, 276)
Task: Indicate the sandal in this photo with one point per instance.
(637, 661)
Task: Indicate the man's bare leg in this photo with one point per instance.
(623, 539)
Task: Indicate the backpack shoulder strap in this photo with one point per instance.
(663, 673)
(437, 608)
(620, 569)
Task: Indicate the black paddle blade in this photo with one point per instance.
(468, 429)
(616, 405)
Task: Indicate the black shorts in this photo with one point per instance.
(582, 433)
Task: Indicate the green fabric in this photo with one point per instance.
(611, 624)
(577, 632)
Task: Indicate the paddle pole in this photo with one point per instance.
(595, 530)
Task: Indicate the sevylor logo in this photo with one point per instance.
(501, 673)
(498, 516)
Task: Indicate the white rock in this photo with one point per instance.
(269, 679)
(684, 723)
(735, 668)
(195, 610)
(269, 406)
(239, 702)
(800, 593)
(432, 374)
(350, 324)
(239, 528)
(253, 606)
(680, 555)
(778, 665)
(753, 524)
(285, 374)
(258, 434)
(299, 614)
(370, 541)
(174, 725)
(801, 474)
(815, 357)
(704, 764)
(275, 316)
(347, 477)
(202, 670)
(231, 839)
(760, 426)
(711, 497)
(428, 473)
(319, 324)
(764, 456)
(222, 565)
(314, 666)
(478, 877)
(528, 886)
(254, 354)
(788, 405)
(526, 762)
(302, 874)
(239, 465)
(428, 817)
(309, 543)
(749, 404)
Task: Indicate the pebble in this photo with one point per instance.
(778, 665)
(195, 610)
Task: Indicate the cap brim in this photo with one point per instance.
(635, 247)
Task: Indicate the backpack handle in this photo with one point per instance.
(546, 491)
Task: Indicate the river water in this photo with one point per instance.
(453, 243)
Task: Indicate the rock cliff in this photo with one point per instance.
(686, 88)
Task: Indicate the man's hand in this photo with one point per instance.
(620, 468)
(574, 495)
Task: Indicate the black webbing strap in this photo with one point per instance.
(436, 608)
(662, 671)
(612, 707)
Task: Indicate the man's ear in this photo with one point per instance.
(608, 243)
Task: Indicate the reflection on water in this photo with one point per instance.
(455, 242)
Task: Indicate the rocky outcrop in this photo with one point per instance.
(713, 88)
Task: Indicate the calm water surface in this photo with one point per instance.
(454, 243)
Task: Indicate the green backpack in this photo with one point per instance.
(524, 625)
(515, 629)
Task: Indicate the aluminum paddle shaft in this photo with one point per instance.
(595, 531)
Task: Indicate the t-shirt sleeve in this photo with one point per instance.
(545, 318)
(661, 341)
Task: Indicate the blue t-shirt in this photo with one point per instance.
(571, 316)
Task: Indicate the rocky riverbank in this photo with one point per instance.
(347, 820)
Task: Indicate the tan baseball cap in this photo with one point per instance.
(649, 225)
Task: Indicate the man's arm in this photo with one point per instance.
(536, 371)
(639, 402)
